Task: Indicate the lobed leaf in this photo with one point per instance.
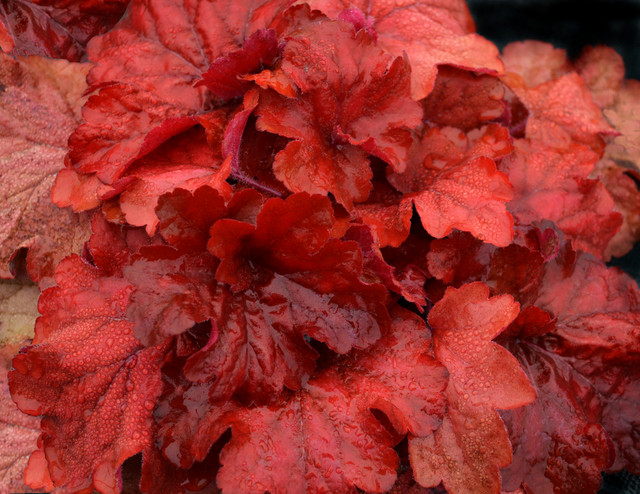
(431, 32)
(325, 434)
(340, 115)
(465, 453)
(39, 108)
(89, 377)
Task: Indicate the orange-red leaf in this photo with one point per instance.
(342, 114)
(467, 450)
(431, 32)
(453, 183)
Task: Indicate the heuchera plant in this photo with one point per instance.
(320, 246)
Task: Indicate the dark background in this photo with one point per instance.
(568, 24)
(572, 24)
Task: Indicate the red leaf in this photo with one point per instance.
(90, 379)
(39, 108)
(57, 28)
(185, 44)
(336, 123)
(256, 154)
(464, 100)
(622, 188)
(453, 184)
(186, 162)
(325, 436)
(102, 147)
(463, 323)
(535, 61)
(457, 258)
(294, 283)
(159, 475)
(185, 223)
(111, 246)
(597, 332)
(178, 289)
(550, 122)
(443, 207)
(223, 77)
(152, 97)
(386, 213)
(540, 175)
(557, 441)
(603, 71)
(471, 444)
(581, 355)
(431, 32)
(78, 191)
(287, 280)
(287, 234)
(377, 270)
(189, 421)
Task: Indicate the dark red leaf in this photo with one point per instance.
(56, 28)
(287, 280)
(597, 332)
(464, 100)
(185, 223)
(557, 440)
(111, 246)
(178, 288)
(293, 281)
(160, 475)
(223, 77)
(256, 155)
(376, 269)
